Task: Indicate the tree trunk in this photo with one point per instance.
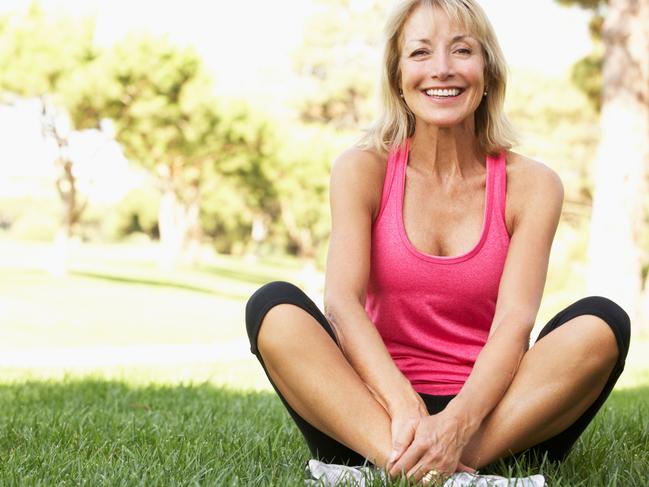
(191, 251)
(172, 222)
(642, 325)
(56, 124)
(621, 163)
(301, 237)
(258, 234)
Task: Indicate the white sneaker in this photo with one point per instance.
(330, 475)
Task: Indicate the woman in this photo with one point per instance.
(438, 256)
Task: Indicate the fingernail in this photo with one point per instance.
(393, 456)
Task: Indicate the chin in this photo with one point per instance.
(443, 124)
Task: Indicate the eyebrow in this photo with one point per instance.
(455, 39)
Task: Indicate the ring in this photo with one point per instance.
(431, 476)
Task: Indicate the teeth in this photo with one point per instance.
(451, 92)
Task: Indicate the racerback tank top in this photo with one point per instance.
(434, 313)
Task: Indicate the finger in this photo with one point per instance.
(427, 466)
(430, 476)
(398, 448)
(419, 470)
(402, 437)
(408, 459)
(439, 467)
(463, 468)
(395, 455)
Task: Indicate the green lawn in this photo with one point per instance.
(116, 295)
(210, 422)
(112, 433)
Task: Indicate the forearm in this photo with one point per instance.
(492, 375)
(364, 349)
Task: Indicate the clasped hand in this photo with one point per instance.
(426, 444)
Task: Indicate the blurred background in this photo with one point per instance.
(159, 161)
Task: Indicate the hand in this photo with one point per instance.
(404, 425)
(437, 446)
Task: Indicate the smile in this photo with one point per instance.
(443, 93)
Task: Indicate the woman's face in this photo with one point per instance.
(442, 70)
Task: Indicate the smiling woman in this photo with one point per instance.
(440, 242)
(471, 47)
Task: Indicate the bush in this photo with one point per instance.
(36, 224)
(136, 213)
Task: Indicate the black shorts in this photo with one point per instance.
(330, 450)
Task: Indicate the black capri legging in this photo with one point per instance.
(330, 450)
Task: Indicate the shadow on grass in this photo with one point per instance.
(159, 283)
(251, 277)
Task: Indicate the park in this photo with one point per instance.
(144, 197)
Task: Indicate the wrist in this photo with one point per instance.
(406, 401)
(466, 422)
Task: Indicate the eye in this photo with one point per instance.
(419, 52)
(463, 50)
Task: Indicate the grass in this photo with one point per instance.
(117, 295)
(111, 433)
(211, 423)
(98, 432)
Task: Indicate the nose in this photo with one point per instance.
(441, 66)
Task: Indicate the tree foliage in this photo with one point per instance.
(159, 97)
(587, 72)
(589, 4)
(38, 52)
(338, 62)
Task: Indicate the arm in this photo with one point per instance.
(355, 191)
(519, 297)
(443, 436)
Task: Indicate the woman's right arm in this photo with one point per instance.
(355, 195)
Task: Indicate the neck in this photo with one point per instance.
(447, 153)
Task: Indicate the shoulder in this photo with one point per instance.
(532, 175)
(361, 171)
(359, 162)
(532, 187)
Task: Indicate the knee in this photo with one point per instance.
(265, 299)
(614, 316)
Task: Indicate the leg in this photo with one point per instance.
(322, 392)
(561, 383)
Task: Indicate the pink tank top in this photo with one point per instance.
(434, 313)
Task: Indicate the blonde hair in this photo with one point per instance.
(396, 122)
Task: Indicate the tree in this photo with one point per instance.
(37, 55)
(338, 62)
(167, 120)
(38, 51)
(278, 183)
(302, 180)
(623, 156)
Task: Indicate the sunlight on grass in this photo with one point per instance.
(116, 295)
(108, 315)
(244, 374)
(119, 373)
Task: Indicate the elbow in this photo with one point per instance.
(332, 311)
(337, 310)
(516, 326)
(335, 302)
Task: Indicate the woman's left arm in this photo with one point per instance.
(519, 298)
(442, 437)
